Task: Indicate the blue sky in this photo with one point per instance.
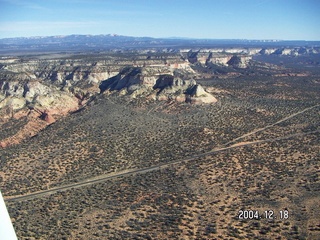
(217, 19)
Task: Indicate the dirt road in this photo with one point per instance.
(273, 124)
(104, 177)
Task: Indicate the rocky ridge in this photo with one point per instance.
(48, 86)
(47, 89)
(157, 83)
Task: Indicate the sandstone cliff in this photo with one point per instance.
(160, 83)
(46, 87)
(39, 91)
(206, 57)
(196, 94)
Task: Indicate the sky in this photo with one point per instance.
(209, 19)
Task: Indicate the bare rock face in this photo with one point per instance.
(33, 89)
(238, 61)
(161, 83)
(46, 116)
(66, 72)
(34, 102)
(172, 84)
(197, 95)
(170, 87)
(13, 103)
(237, 58)
(39, 91)
(19, 94)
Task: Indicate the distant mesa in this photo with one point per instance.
(113, 41)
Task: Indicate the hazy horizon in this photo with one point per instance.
(170, 37)
(205, 19)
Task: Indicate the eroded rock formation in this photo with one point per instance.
(158, 83)
(58, 84)
(40, 91)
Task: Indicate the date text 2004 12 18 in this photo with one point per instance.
(267, 214)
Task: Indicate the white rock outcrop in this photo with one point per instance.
(159, 83)
(197, 95)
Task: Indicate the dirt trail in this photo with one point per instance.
(127, 172)
(271, 125)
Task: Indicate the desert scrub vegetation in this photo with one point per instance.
(116, 133)
(196, 199)
(199, 199)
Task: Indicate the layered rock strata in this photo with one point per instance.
(159, 84)
(40, 91)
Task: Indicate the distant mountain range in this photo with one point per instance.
(112, 41)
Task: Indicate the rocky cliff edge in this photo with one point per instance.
(157, 83)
